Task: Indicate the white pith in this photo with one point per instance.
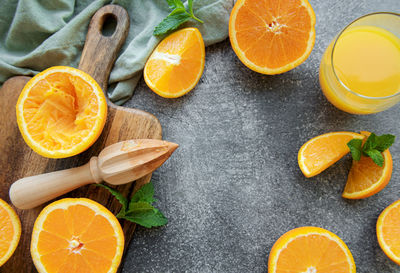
(311, 269)
(171, 58)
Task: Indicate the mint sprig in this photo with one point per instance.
(373, 147)
(178, 16)
(139, 209)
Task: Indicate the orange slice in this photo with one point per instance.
(76, 235)
(310, 250)
(272, 36)
(61, 112)
(10, 231)
(176, 65)
(322, 151)
(366, 178)
(388, 231)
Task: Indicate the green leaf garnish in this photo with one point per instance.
(376, 156)
(370, 144)
(139, 209)
(145, 215)
(122, 199)
(384, 142)
(373, 147)
(145, 194)
(355, 148)
(178, 16)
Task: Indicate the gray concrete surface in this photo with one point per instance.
(234, 186)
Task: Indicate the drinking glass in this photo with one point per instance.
(333, 87)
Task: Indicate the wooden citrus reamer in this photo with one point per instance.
(117, 164)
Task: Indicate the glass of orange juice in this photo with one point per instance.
(360, 69)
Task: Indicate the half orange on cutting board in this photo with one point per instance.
(272, 36)
(10, 231)
(76, 235)
(176, 65)
(61, 112)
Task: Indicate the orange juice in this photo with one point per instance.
(360, 70)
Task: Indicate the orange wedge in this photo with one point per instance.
(388, 231)
(10, 231)
(176, 65)
(272, 36)
(76, 235)
(366, 178)
(322, 151)
(61, 112)
(310, 250)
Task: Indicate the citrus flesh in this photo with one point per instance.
(272, 36)
(10, 231)
(310, 250)
(388, 231)
(76, 235)
(61, 112)
(322, 151)
(176, 65)
(367, 178)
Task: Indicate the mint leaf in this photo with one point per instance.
(383, 142)
(139, 210)
(190, 6)
(376, 156)
(355, 148)
(139, 207)
(145, 215)
(373, 147)
(173, 4)
(178, 16)
(171, 22)
(370, 144)
(122, 199)
(145, 194)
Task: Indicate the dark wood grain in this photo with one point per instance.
(17, 160)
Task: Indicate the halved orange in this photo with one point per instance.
(10, 231)
(322, 151)
(366, 178)
(388, 231)
(76, 235)
(61, 112)
(310, 250)
(176, 65)
(272, 36)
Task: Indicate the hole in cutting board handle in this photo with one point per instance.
(109, 25)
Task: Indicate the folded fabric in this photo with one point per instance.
(35, 35)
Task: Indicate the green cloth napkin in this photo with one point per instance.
(37, 34)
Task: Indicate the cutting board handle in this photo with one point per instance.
(100, 51)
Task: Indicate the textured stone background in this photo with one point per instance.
(234, 186)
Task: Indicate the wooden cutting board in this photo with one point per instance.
(17, 160)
